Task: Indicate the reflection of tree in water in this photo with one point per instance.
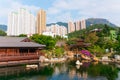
(67, 71)
(86, 64)
(94, 70)
(108, 71)
(45, 71)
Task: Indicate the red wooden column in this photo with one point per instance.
(6, 51)
(28, 51)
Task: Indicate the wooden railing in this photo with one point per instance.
(18, 54)
(18, 57)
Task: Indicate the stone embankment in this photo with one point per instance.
(43, 59)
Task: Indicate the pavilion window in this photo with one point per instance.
(23, 51)
(32, 50)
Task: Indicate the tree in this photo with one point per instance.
(91, 38)
(2, 33)
(97, 50)
(117, 48)
(106, 30)
(46, 40)
(59, 51)
(118, 35)
(22, 35)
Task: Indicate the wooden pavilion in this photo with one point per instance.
(19, 48)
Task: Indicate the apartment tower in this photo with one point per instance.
(71, 27)
(83, 24)
(78, 25)
(21, 22)
(41, 22)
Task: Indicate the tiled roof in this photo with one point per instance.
(12, 39)
(17, 42)
(20, 44)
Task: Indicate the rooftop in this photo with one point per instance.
(18, 42)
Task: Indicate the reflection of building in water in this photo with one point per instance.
(17, 71)
(117, 65)
(56, 70)
(105, 63)
(84, 75)
(78, 66)
(60, 69)
(72, 73)
(12, 70)
(80, 75)
(64, 68)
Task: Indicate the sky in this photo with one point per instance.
(64, 10)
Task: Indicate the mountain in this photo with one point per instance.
(59, 23)
(89, 21)
(3, 27)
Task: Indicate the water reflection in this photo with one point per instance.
(16, 72)
(62, 71)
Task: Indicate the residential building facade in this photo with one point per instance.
(41, 22)
(21, 22)
(57, 30)
(77, 25)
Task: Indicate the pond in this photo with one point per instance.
(63, 71)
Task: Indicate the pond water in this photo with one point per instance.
(63, 71)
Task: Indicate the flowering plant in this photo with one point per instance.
(85, 52)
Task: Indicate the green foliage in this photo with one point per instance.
(22, 35)
(97, 50)
(48, 53)
(118, 35)
(56, 52)
(59, 38)
(108, 71)
(69, 42)
(117, 48)
(2, 33)
(82, 33)
(59, 51)
(106, 30)
(100, 40)
(46, 40)
(91, 38)
(95, 26)
(109, 43)
(77, 34)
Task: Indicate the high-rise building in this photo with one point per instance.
(71, 27)
(57, 30)
(80, 25)
(83, 24)
(21, 22)
(77, 25)
(12, 23)
(41, 22)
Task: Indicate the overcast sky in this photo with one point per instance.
(65, 10)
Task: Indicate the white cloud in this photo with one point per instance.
(60, 17)
(109, 9)
(7, 6)
(64, 10)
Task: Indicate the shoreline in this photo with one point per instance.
(52, 60)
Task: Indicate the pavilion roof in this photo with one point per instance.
(18, 42)
(12, 39)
